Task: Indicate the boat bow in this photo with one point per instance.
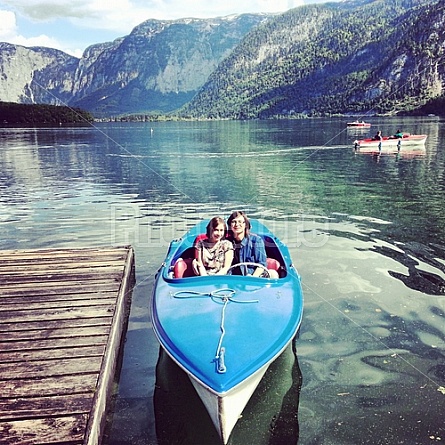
(225, 330)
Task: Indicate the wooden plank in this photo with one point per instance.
(55, 314)
(55, 287)
(58, 304)
(51, 274)
(49, 325)
(19, 408)
(44, 334)
(48, 368)
(53, 343)
(67, 263)
(48, 274)
(56, 430)
(46, 279)
(83, 253)
(61, 353)
(59, 289)
(50, 386)
(30, 298)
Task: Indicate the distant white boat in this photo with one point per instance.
(360, 124)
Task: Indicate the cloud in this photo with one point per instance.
(9, 33)
(8, 25)
(41, 40)
(48, 10)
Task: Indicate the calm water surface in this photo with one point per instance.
(366, 234)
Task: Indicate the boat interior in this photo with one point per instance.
(181, 264)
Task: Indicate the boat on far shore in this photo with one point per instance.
(390, 144)
(358, 124)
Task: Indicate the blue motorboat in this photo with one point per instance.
(225, 330)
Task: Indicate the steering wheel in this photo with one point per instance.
(249, 263)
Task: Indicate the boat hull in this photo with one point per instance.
(389, 143)
(225, 409)
(224, 331)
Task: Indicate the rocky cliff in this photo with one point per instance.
(36, 75)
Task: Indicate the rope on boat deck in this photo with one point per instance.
(225, 295)
(220, 351)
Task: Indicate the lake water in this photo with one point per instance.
(366, 234)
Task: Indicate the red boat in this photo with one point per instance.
(389, 143)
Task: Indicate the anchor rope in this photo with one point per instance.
(220, 351)
(225, 295)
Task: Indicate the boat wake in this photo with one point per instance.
(228, 155)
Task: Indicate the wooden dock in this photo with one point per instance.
(63, 314)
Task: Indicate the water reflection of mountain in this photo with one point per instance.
(270, 417)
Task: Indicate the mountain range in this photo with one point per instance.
(358, 56)
(158, 67)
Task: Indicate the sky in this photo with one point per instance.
(73, 25)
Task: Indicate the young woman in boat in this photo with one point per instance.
(249, 247)
(214, 254)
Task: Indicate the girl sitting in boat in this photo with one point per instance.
(214, 254)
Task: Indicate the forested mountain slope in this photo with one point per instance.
(379, 56)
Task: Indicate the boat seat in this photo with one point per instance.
(273, 264)
(183, 268)
(198, 238)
